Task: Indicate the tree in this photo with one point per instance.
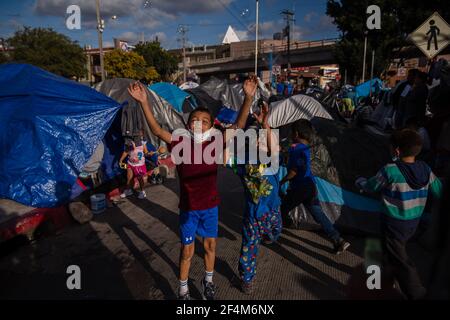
(164, 62)
(3, 58)
(398, 19)
(48, 50)
(121, 64)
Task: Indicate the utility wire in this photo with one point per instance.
(234, 16)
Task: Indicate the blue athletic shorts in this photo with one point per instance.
(203, 223)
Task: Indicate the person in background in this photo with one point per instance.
(414, 124)
(399, 94)
(135, 151)
(439, 126)
(404, 186)
(302, 188)
(152, 160)
(416, 100)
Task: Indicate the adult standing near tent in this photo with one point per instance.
(199, 197)
(416, 101)
(399, 94)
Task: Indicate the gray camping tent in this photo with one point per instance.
(231, 95)
(339, 154)
(294, 108)
(133, 118)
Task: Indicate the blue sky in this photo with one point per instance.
(207, 20)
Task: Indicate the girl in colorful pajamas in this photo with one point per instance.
(262, 216)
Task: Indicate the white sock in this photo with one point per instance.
(183, 287)
(209, 276)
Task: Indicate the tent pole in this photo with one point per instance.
(256, 42)
(371, 71)
(364, 58)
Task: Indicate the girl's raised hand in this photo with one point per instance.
(263, 116)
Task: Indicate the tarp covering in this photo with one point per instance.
(133, 118)
(50, 127)
(363, 90)
(383, 113)
(339, 155)
(227, 115)
(342, 153)
(294, 108)
(189, 85)
(171, 93)
(203, 99)
(331, 193)
(231, 95)
(348, 210)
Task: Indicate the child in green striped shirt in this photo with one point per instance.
(404, 186)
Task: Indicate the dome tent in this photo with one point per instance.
(50, 129)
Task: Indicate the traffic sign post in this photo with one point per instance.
(276, 69)
(432, 36)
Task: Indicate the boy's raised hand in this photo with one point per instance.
(137, 91)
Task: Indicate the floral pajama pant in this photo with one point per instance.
(254, 230)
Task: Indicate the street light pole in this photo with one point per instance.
(371, 71)
(256, 49)
(373, 62)
(183, 29)
(288, 16)
(364, 58)
(100, 27)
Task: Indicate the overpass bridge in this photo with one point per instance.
(303, 54)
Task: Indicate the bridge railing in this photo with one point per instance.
(264, 49)
(206, 62)
(283, 48)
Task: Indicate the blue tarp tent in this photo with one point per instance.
(227, 115)
(363, 90)
(172, 94)
(50, 127)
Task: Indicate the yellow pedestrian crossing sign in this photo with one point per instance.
(432, 36)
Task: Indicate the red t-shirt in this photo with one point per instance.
(198, 182)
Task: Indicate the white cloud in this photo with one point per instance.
(162, 37)
(326, 23)
(108, 44)
(298, 33)
(309, 16)
(242, 35)
(130, 7)
(130, 13)
(129, 36)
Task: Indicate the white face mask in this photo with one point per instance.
(199, 136)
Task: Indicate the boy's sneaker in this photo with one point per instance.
(126, 193)
(185, 296)
(153, 179)
(159, 179)
(247, 287)
(142, 195)
(340, 246)
(208, 290)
